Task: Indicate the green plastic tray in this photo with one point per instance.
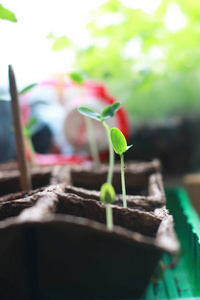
(182, 281)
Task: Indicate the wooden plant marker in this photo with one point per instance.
(25, 176)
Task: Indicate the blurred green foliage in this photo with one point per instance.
(59, 43)
(149, 61)
(6, 14)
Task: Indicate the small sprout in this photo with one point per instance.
(90, 113)
(108, 197)
(107, 193)
(107, 113)
(120, 146)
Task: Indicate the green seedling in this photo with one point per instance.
(78, 79)
(108, 197)
(107, 113)
(120, 146)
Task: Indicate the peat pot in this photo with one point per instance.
(55, 245)
(142, 178)
(10, 177)
(137, 177)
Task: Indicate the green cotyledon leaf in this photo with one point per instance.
(89, 113)
(110, 111)
(118, 141)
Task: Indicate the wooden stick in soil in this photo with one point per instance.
(25, 176)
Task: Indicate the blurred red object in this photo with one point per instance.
(59, 159)
(68, 96)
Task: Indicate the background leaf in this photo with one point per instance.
(27, 88)
(110, 111)
(6, 14)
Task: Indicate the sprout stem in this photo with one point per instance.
(123, 181)
(92, 142)
(90, 132)
(109, 217)
(111, 154)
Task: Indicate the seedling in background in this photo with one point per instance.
(78, 79)
(108, 197)
(28, 131)
(107, 113)
(23, 91)
(120, 146)
(27, 88)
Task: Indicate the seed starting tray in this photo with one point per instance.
(181, 280)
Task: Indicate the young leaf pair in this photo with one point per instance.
(107, 113)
